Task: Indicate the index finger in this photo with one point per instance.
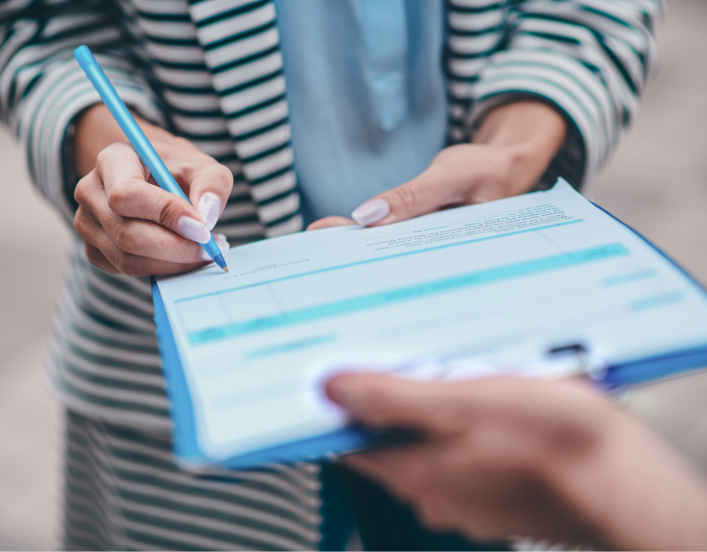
(129, 195)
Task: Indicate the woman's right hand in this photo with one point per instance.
(131, 226)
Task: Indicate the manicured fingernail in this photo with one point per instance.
(193, 230)
(209, 208)
(222, 245)
(371, 211)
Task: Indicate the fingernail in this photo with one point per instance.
(193, 230)
(371, 211)
(222, 245)
(209, 208)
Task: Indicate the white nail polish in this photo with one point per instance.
(193, 230)
(209, 208)
(371, 211)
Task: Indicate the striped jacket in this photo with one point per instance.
(212, 71)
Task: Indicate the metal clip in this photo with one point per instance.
(591, 364)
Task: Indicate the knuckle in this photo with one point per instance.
(168, 211)
(92, 254)
(106, 154)
(407, 197)
(103, 156)
(125, 237)
(116, 198)
(79, 222)
(111, 155)
(82, 187)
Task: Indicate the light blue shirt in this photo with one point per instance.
(366, 93)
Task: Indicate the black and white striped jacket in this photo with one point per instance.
(212, 71)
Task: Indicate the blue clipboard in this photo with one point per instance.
(661, 366)
(186, 447)
(330, 445)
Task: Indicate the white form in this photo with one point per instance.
(507, 279)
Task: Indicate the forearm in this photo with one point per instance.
(599, 97)
(531, 133)
(96, 129)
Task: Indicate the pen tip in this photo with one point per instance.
(219, 260)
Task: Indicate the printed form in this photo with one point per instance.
(498, 282)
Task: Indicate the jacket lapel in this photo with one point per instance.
(241, 46)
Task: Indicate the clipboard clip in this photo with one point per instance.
(588, 362)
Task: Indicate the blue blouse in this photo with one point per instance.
(378, 112)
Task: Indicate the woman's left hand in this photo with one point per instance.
(511, 150)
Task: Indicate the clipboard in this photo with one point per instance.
(184, 438)
(334, 444)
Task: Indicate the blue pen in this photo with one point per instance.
(137, 137)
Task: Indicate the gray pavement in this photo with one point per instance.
(657, 182)
(33, 245)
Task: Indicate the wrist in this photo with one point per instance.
(528, 134)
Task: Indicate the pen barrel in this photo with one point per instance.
(127, 122)
(211, 248)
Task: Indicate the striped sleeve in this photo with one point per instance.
(591, 59)
(42, 88)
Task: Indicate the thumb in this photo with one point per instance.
(424, 194)
(383, 401)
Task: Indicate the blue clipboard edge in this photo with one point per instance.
(190, 456)
(185, 443)
(661, 366)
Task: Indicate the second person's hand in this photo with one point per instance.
(128, 224)
(502, 458)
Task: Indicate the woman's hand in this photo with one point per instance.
(511, 150)
(128, 224)
(508, 457)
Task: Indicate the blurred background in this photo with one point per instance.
(656, 182)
